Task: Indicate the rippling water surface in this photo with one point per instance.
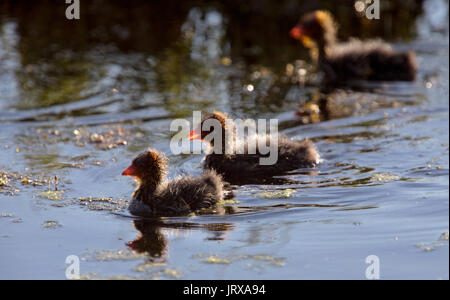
(79, 100)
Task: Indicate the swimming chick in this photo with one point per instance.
(247, 168)
(356, 59)
(155, 197)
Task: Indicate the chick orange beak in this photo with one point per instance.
(296, 32)
(195, 135)
(130, 171)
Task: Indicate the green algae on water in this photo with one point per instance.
(427, 247)
(268, 260)
(51, 224)
(106, 255)
(384, 177)
(173, 273)
(95, 276)
(213, 259)
(274, 261)
(52, 195)
(227, 202)
(277, 194)
(444, 236)
(145, 267)
(103, 203)
(3, 181)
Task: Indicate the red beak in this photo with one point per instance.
(195, 135)
(130, 171)
(296, 32)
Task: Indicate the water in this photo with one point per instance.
(80, 100)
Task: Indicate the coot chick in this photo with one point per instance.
(155, 197)
(369, 60)
(247, 168)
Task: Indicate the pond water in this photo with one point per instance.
(79, 99)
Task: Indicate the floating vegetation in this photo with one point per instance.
(173, 273)
(157, 270)
(95, 276)
(213, 259)
(96, 97)
(155, 275)
(216, 259)
(52, 195)
(427, 247)
(51, 161)
(10, 180)
(110, 138)
(7, 180)
(145, 267)
(384, 177)
(103, 203)
(95, 199)
(278, 194)
(262, 257)
(90, 203)
(107, 255)
(51, 224)
(227, 202)
(274, 261)
(3, 181)
(444, 236)
(25, 181)
(105, 137)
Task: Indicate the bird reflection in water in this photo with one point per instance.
(153, 240)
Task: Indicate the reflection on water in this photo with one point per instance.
(153, 242)
(179, 57)
(79, 99)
